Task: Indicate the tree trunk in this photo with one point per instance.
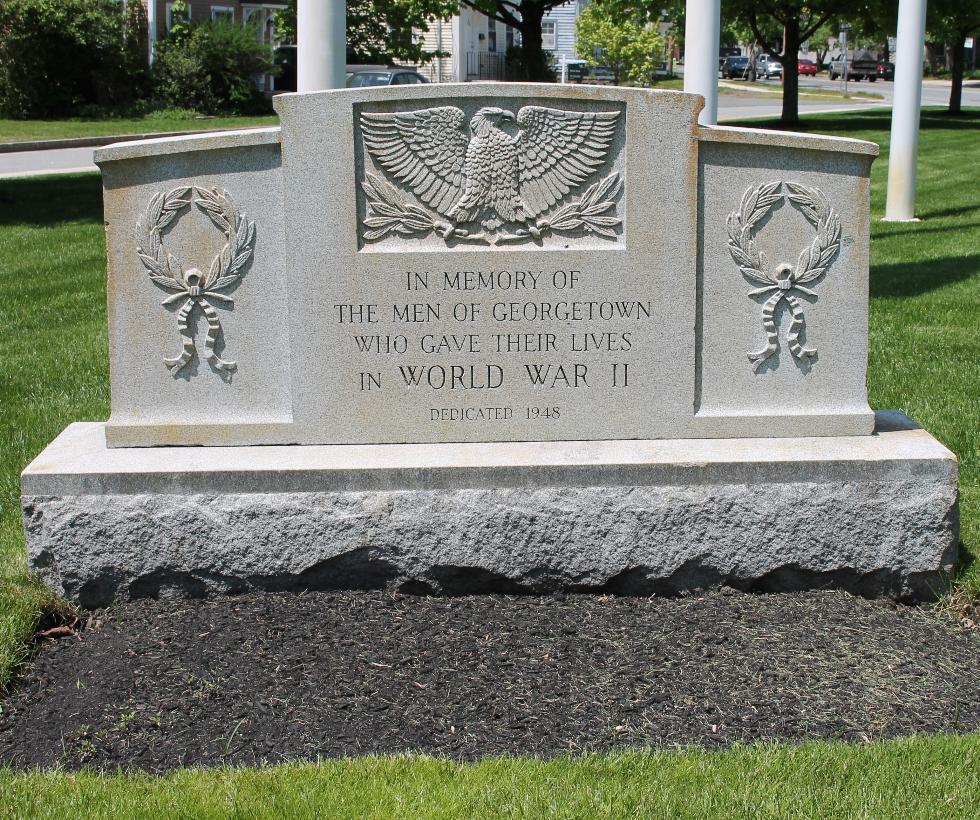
(956, 89)
(535, 59)
(791, 73)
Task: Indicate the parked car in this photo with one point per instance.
(395, 76)
(862, 65)
(286, 59)
(885, 71)
(766, 66)
(806, 68)
(734, 67)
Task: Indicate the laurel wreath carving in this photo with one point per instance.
(389, 213)
(812, 263)
(192, 287)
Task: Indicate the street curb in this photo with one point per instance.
(96, 142)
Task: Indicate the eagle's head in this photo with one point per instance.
(484, 119)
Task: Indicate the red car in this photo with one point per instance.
(806, 68)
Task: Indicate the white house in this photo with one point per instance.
(558, 29)
(477, 44)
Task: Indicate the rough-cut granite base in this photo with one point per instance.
(872, 514)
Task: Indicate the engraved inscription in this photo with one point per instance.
(786, 280)
(496, 346)
(193, 288)
(497, 178)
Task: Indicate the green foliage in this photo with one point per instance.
(383, 31)
(57, 55)
(211, 67)
(180, 22)
(614, 35)
(952, 19)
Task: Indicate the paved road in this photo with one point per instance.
(730, 107)
(736, 107)
(33, 163)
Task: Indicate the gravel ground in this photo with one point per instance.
(155, 685)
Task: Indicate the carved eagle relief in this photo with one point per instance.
(499, 171)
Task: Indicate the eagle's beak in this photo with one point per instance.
(506, 115)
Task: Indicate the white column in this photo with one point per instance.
(701, 38)
(904, 148)
(459, 49)
(151, 27)
(321, 31)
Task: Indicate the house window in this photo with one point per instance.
(548, 35)
(491, 34)
(226, 13)
(172, 18)
(509, 37)
(264, 21)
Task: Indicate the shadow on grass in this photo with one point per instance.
(945, 212)
(878, 120)
(919, 230)
(903, 279)
(965, 559)
(51, 200)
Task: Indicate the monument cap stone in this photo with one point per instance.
(486, 263)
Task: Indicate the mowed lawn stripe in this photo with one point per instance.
(937, 777)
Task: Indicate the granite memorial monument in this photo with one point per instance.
(489, 337)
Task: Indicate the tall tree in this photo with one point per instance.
(799, 20)
(526, 17)
(873, 22)
(382, 31)
(954, 21)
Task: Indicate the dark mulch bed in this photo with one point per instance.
(239, 680)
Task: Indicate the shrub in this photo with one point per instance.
(211, 68)
(58, 55)
(515, 66)
(620, 39)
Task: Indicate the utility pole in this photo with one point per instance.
(904, 148)
(844, 31)
(321, 33)
(701, 38)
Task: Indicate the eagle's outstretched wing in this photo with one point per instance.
(424, 149)
(558, 152)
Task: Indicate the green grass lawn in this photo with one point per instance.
(160, 122)
(919, 777)
(925, 304)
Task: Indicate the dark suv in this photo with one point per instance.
(735, 66)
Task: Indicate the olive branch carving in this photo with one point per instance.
(390, 214)
(813, 261)
(586, 214)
